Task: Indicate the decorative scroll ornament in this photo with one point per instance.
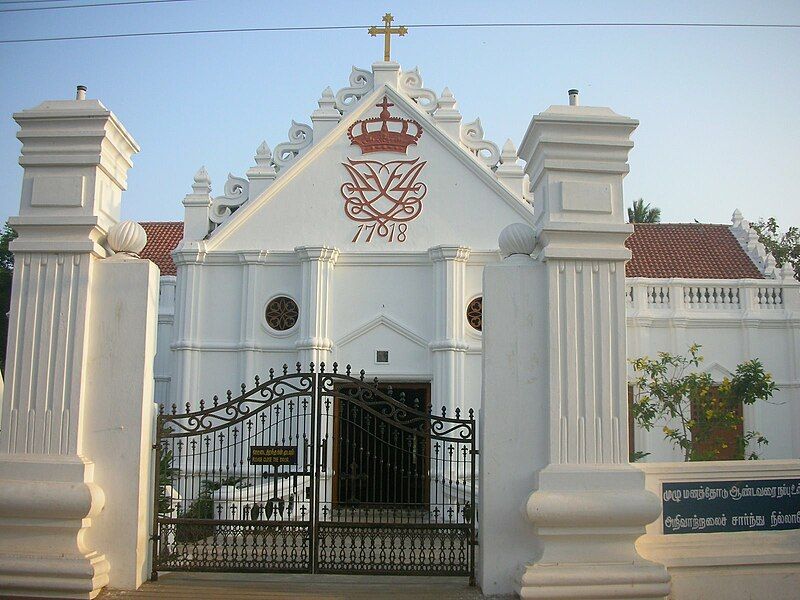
(384, 194)
(237, 191)
(411, 84)
(300, 138)
(384, 133)
(472, 138)
(361, 83)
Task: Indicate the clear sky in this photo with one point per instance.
(719, 110)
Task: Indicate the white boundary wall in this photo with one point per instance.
(739, 565)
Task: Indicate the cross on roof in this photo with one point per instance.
(387, 30)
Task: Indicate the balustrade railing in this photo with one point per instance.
(712, 297)
(666, 296)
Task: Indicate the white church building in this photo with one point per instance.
(330, 250)
(389, 346)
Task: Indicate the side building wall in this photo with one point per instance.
(734, 321)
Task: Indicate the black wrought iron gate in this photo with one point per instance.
(315, 471)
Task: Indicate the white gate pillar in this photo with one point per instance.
(588, 504)
(71, 427)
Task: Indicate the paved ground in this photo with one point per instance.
(235, 586)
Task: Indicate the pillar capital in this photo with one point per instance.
(577, 157)
(454, 253)
(76, 155)
(317, 253)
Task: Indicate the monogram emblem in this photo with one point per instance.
(383, 196)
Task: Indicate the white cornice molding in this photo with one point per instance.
(197, 255)
(228, 346)
(382, 319)
(729, 321)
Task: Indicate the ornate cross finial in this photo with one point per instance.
(387, 30)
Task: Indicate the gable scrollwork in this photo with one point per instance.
(362, 83)
(237, 192)
(301, 136)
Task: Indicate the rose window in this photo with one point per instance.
(282, 313)
(475, 313)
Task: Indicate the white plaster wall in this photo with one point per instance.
(119, 395)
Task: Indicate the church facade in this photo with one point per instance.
(345, 245)
(389, 346)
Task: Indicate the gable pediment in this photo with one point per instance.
(457, 199)
(384, 322)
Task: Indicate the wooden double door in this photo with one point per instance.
(380, 463)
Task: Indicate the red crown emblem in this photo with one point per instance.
(393, 135)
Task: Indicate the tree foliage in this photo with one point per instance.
(783, 247)
(695, 411)
(643, 213)
(6, 275)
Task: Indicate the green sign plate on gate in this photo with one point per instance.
(273, 455)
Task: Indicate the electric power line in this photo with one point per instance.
(99, 4)
(31, 1)
(417, 26)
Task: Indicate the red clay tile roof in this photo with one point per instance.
(690, 250)
(162, 238)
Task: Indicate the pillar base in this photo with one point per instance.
(574, 581)
(53, 577)
(46, 506)
(588, 518)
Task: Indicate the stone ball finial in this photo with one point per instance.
(127, 237)
(517, 238)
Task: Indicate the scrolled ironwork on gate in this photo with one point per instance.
(316, 471)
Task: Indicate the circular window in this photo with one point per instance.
(475, 313)
(282, 313)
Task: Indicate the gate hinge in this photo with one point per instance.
(154, 446)
(476, 452)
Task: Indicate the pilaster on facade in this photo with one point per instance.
(187, 330)
(249, 319)
(316, 272)
(449, 345)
